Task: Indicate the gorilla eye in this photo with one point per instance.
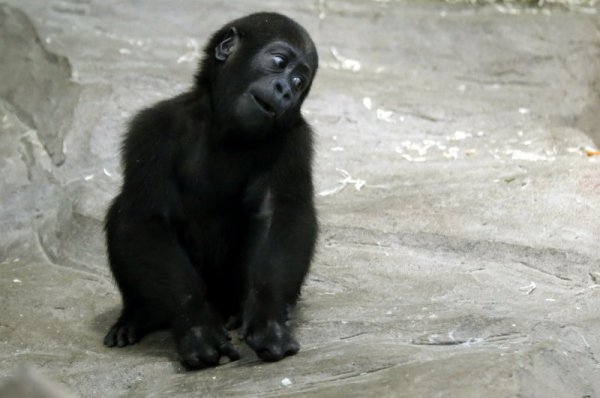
(297, 82)
(279, 61)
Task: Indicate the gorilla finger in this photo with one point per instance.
(292, 348)
(271, 353)
(211, 356)
(229, 351)
(192, 361)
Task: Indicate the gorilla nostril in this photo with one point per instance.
(279, 87)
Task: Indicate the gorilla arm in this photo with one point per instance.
(283, 253)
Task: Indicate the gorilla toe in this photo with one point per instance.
(121, 335)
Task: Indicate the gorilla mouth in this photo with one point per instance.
(264, 106)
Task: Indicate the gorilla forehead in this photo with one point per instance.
(264, 27)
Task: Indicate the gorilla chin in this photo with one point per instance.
(214, 227)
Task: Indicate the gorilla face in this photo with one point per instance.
(266, 86)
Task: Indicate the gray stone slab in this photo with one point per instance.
(459, 209)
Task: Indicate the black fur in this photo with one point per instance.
(215, 219)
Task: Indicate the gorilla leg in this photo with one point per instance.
(159, 285)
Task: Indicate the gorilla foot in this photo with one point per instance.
(133, 324)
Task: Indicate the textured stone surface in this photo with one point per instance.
(458, 257)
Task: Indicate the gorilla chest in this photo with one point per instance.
(231, 185)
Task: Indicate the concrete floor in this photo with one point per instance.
(459, 206)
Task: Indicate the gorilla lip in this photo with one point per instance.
(264, 106)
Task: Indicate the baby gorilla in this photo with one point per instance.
(215, 219)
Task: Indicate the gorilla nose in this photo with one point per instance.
(283, 92)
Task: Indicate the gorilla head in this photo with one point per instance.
(261, 68)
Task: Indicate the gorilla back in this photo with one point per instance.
(215, 224)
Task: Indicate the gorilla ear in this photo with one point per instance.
(227, 45)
